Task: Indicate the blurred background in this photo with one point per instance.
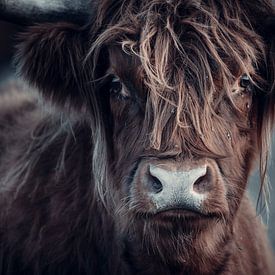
(7, 32)
(7, 74)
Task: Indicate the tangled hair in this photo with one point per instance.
(191, 52)
(76, 183)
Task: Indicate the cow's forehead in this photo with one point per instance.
(172, 45)
(185, 56)
(171, 73)
(183, 115)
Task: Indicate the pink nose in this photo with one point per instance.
(182, 188)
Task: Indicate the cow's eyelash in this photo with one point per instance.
(245, 81)
(244, 85)
(247, 84)
(117, 89)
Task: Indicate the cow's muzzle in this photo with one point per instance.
(170, 185)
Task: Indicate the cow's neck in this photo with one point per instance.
(175, 255)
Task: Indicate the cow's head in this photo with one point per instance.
(180, 98)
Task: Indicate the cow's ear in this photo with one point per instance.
(51, 57)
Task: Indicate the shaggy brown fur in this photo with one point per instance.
(68, 200)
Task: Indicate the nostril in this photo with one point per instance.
(155, 184)
(203, 184)
(200, 185)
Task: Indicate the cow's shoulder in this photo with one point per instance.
(45, 182)
(40, 142)
(18, 116)
(251, 252)
(17, 104)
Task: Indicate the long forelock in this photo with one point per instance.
(190, 54)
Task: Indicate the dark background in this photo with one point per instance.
(7, 34)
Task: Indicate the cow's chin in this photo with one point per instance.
(171, 235)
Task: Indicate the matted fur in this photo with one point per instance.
(172, 66)
(68, 205)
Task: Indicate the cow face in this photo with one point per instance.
(192, 172)
(184, 122)
(179, 98)
(187, 120)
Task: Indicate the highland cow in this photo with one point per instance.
(133, 157)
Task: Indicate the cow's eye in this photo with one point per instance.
(118, 90)
(245, 81)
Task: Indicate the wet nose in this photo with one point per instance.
(184, 188)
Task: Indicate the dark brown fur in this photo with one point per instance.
(67, 200)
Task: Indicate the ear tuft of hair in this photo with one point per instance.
(50, 56)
